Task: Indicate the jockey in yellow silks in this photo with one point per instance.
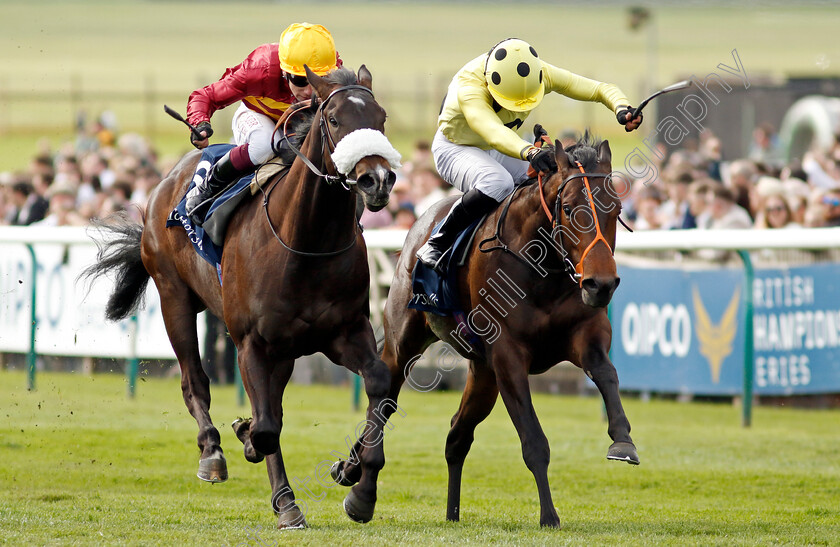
(476, 147)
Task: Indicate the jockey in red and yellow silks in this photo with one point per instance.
(268, 81)
(476, 147)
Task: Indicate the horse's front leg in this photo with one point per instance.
(356, 350)
(511, 362)
(592, 345)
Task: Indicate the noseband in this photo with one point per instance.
(327, 142)
(575, 271)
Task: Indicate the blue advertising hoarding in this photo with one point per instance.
(682, 331)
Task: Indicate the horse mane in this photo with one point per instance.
(302, 122)
(585, 151)
(340, 76)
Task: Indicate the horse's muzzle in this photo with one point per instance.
(597, 291)
(375, 185)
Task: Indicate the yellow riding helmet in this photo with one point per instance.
(514, 75)
(307, 44)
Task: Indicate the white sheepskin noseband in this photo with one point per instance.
(362, 143)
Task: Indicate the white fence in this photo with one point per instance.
(69, 316)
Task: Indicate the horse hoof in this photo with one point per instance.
(212, 469)
(291, 520)
(241, 426)
(251, 454)
(337, 474)
(357, 509)
(624, 452)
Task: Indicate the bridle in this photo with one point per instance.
(575, 270)
(328, 146)
(327, 140)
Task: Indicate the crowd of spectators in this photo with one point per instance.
(697, 186)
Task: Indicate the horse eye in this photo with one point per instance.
(333, 122)
(567, 209)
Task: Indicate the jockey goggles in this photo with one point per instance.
(294, 79)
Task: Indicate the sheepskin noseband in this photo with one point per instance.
(362, 143)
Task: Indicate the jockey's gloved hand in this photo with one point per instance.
(624, 119)
(542, 159)
(202, 128)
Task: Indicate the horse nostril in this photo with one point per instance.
(590, 285)
(366, 181)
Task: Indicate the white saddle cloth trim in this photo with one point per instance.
(360, 144)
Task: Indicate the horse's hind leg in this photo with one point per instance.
(179, 316)
(478, 400)
(357, 352)
(258, 372)
(511, 363)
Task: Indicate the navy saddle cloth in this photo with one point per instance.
(208, 238)
(437, 293)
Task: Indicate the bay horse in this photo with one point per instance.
(295, 282)
(538, 278)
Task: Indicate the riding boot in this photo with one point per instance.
(220, 177)
(472, 206)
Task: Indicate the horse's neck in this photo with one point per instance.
(310, 209)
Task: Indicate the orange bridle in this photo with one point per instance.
(599, 236)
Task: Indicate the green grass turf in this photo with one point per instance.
(57, 57)
(82, 464)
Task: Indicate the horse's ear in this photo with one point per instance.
(562, 158)
(604, 152)
(315, 81)
(364, 77)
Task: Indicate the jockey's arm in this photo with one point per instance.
(583, 89)
(476, 105)
(234, 85)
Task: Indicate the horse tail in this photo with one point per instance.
(119, 254)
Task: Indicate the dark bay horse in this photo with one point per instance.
(295, 282)
(539, 276)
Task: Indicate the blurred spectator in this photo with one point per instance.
(741, 176)
(775, 213)
(29, 206)
(725, 213)
(429, 188)
(831, 214)
(699, 198)
(648, 201)
(62, 210)
(421, 157)
(675, 211)
(404, 218)
(765, 148)
(823, 171)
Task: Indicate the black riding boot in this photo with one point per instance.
(466, 210)
(220, 177)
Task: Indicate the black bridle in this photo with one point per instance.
(327, 140)
(328, 146)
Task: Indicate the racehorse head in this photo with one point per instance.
(352, 125)
(586, 210)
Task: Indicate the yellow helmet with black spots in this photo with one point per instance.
(307, 44)
(514, 75)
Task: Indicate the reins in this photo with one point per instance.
(575, 271)
(327, 142)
